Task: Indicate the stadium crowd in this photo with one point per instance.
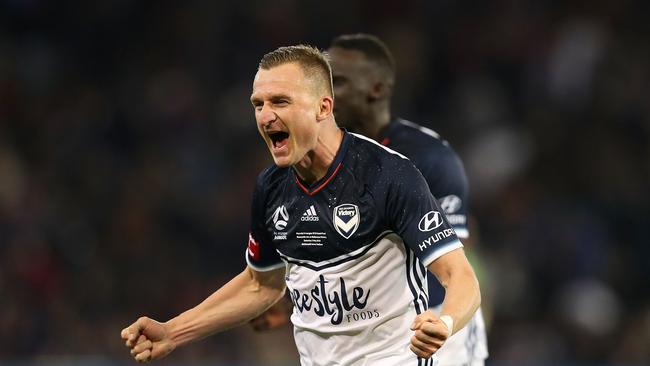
(128, 153)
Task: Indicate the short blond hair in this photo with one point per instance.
(314, 63)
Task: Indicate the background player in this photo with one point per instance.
(357, 300)
(364, 75)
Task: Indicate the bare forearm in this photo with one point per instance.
(462, 298)
(235, 303)
(462, 293)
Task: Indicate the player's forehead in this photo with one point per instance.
(286, 78)
(343, 59)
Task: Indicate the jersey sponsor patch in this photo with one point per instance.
(310, 215)
(430, 221)
(435, 238)
(450, 204)
(333, 302)
(457, 220)
(346, 219)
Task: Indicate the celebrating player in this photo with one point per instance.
(347, 225)
(364, 74)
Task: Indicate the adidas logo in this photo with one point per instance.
(310, 215)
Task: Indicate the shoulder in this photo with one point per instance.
(424, 145)
(381, 164)
(363, 144)
(421, 137)
(371, 156)
(269, 177)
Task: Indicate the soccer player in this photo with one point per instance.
(347, 225)
(364, 74)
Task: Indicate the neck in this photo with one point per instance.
(317, 162)
(376, 121)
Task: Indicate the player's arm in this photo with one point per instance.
(242, 298)
(416, 216)
(462, 298)
(462, 294)
(274, 317)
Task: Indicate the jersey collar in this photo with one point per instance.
(337, 163)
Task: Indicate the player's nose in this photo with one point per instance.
(266, 116)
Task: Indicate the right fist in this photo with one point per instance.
(147, 339)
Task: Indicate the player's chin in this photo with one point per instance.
(281, 156)
(282, 161)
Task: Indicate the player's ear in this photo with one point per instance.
(325, 108)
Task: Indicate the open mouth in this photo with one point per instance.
(279, 138)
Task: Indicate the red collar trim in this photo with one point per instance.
(311, 193)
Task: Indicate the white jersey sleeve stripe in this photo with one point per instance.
(421, 281)
(420, 305)
(422, 272)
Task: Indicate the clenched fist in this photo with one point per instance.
(430, 334)
(147, 339)
(274, 317)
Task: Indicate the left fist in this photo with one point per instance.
(430, 334)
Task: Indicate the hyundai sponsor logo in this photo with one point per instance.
(450, 204)
(433, 239)
(430, 221)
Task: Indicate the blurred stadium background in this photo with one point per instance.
(128, 153)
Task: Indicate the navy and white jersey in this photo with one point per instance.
(443, 171)
(355, 245)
